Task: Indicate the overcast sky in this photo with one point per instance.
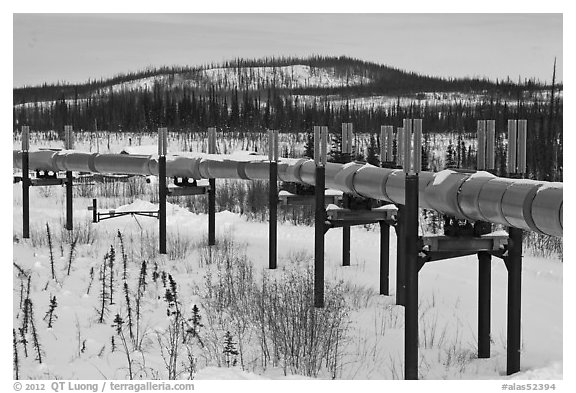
(76, 47)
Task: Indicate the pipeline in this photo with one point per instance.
(527, 204)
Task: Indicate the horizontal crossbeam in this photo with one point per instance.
(114, 214)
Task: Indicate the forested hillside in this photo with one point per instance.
(292, 95)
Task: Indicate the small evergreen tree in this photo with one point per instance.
(111, 259)
(335, 154)
(91, 280)
(450, 157)
(373, 152)
(424, 166)
(50, 316)
(195, 321)
(155, 273)
(119, 325)
(104, 291)
(124, 256)
(15, 355)
(72, 253)
(35, 340)
(128, 309)
(51, 250)
(23, 341)
(309, 146)
(139, 296)
(230, 351)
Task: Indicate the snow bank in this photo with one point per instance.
(552, 371)
(225, 373)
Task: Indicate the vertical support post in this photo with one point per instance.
(512, 138)
(25, 182)
(346, 245)
(69, 205)
(273, 200)
(522, 135)
(383, 144)
(162, 148)
(417, 163)
(411, 170)
(407, 146)
(384, 258)
(484, 300)
(94, 210)
(481, 137)
(347, 131)
(344, 146)
(320, 136)
(400, 260)
(69, 144)
(212, 191)
(400, 146)
(390, 144)
(514, 266)
(490, 136)
(411, 271)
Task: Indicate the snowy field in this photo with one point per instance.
(172, 340)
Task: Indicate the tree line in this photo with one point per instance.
(135, 111)
(379, 79)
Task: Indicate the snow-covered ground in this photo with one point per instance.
(79, 347)
(290, 77)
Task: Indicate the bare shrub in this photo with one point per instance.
(277, 311)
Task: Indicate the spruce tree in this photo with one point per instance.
(372, 156)
(15, 355)
(50, 317)
(229, 348)
(309, 146)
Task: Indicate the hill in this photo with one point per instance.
(317, 76)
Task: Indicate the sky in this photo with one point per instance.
(78, 47)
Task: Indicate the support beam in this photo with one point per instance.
(346, 244)
(320, 144)
(94, 210)
(212, 212)
(162, 201)
(481, 150)
(273, 222)
(319, 223)
(521, 157)
(412, 148)
(514, 266)
(400, 264)
(69, 145)
(512, 138)
(384, 258)
(490, 138)
(69, 203)
(162, 189)
(25, 196)
(25, 182)
(411, 262)
(346, 150)
(212, 191)
(273, 201)
(484, 300)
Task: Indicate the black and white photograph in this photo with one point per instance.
(259, 195)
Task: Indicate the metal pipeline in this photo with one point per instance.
(527, 204)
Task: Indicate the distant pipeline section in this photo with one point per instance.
(526, 204)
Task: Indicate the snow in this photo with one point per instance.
(481, 175)
(291, 77)
(439, 177)
(225, 373)
(552, 371)
(375, 344)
